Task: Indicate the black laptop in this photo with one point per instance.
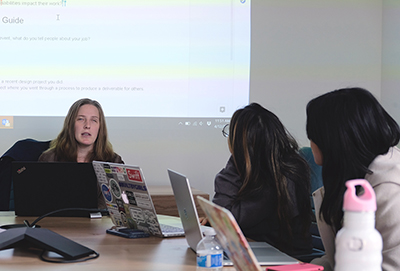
(41, 187)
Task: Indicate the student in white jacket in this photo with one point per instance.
(352, 136)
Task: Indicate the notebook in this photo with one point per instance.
(41, 187)
(128, 200)
(264, 253)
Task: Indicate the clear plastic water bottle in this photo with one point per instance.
(358, 243)
(209, 252)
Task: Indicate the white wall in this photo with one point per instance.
(391, 58)
(303, 48)
(300, 49)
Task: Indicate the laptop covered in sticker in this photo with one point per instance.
(128, 200)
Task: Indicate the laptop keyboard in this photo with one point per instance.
(168, 228)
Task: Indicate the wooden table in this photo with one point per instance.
(116, 253)
(164, 200)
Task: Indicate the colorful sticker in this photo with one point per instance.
(137, 214)
(107, 168)
(134, 175)
(133, 186)
(131, 197)
(115, 216)
(120, 205)
(112, 205)
(101, 176)
(151, 220)
(115, 189)
(121, 178)
(106, 192)
(143, 201)
(124, 219)
(117, 170)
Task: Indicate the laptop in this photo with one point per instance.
(264, 253)
(128, 200)
(240, 252)
(42, 187)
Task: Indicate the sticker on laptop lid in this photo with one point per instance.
(115, 189)
(152, 222)
(134, 175)
(121, 177)
(106, 192)
(120, 204)
(107, 168)
(143, 200)
(130, 197)
(137, 214)
(117, 169)
(115, 217)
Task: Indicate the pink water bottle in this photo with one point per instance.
(358, 243)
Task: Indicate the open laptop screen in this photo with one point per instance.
(41, 187)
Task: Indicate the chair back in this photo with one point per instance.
(23, 150)
(315, 183)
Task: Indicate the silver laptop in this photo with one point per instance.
(264, 253)
(128, 200)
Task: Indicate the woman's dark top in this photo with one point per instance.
(257, 215)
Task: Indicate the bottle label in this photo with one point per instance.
(209, 260)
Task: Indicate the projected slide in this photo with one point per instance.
(147, 58)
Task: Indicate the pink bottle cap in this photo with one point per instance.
(366, 202)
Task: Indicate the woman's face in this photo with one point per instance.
(87, 124)
(317, 153)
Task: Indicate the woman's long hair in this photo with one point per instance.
(350, 128)
(266, 155)
(66, 146)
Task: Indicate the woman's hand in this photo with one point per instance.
(203, 220)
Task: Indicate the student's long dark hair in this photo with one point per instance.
(350, 128)
(265, 154)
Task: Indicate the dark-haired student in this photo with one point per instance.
(352, 136)
(83, 138)
(265, 183)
